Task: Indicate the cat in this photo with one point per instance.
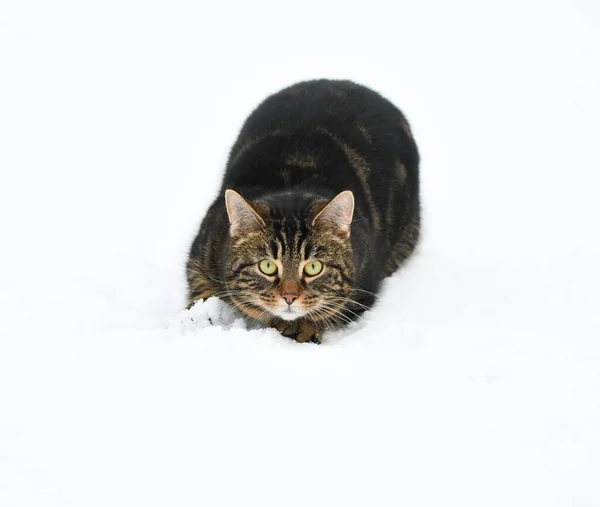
(319, 203)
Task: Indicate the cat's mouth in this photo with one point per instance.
(289, 312)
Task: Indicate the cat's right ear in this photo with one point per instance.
(242, 216)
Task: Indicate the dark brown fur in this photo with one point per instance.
(299, 150)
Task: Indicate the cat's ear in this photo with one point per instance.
(337, 215)
(242, 216)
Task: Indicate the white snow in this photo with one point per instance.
(476, 379)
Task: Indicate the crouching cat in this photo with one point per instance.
(319, 203)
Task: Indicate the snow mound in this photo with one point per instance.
(203, 314)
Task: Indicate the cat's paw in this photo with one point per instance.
(287, 328)
(308, 333)
(299, 330)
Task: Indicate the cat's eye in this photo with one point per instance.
(313, 268)
(267, 267)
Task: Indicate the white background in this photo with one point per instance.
(474, 382)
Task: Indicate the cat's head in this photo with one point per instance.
(291, 257)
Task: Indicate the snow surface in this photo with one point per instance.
(476, 379)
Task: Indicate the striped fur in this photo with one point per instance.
(295, 153)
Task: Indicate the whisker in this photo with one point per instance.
(341, 308)
(323, 317)
(214, 279)
(324, 306)
(354, 289)
(350, 301)
(335, 314)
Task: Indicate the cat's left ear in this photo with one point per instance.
(242, 216)
(337, 215)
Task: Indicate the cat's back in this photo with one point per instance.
(307, 105)
(343, 108)
(319, 125)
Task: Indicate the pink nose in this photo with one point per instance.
(290, 297)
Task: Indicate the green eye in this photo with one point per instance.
(313, 268)
(267, 267)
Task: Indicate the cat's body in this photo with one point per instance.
(296, 152)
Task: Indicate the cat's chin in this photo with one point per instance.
(288, 313)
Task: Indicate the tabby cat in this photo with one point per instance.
(319, 203)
